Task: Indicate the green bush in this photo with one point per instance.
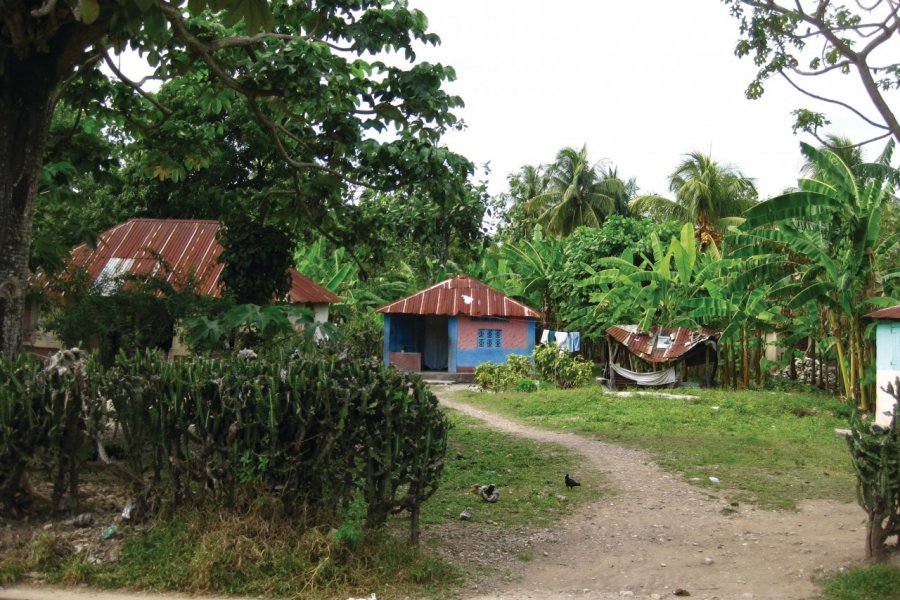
(558, 366)
(527, 385)
(314, 433)
(875, 453)
(495, 377)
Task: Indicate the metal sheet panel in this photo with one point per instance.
(180, 250)
(461, 295)
(885, 313)
(645, 345)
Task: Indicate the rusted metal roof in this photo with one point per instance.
(892, 312)
(304, 289)
(178, 250)
(461, 295)
(647, 346)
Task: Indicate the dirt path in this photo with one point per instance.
(658, 534)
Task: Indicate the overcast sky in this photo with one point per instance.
(641, 83)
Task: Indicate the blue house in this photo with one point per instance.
(456, 325)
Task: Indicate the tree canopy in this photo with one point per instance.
(802, 41)
(329, 95)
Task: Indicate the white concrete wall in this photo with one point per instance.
(884, 403)
(320, 313)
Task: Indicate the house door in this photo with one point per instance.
(436, 343)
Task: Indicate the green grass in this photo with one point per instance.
(755, 442)
(211, 551)
(879, 582)
(529, 476)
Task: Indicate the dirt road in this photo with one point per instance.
(658, 534)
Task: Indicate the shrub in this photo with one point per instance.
(496, 377)
(527, 385)
(875, 453)
(560, 367)
(493, 377)
(313, 433)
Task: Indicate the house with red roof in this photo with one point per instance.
(177, 250)
(456, 325)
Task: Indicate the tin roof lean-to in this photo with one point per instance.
(648, 347)
(188, 248)
(461, 295)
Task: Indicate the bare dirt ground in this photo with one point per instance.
(658, 534)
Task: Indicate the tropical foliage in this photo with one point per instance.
(822, 244)
(706, 192)
(576, 193)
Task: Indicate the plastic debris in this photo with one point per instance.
(110, 532)
(715, 480)
(126, 511)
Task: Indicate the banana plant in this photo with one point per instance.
(821, 244)
(661, 289)
(524, 270)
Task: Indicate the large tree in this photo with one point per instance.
(309, 72)
(802, 41)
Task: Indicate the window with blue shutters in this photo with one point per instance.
(490, 338)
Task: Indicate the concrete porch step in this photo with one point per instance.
(443, 377)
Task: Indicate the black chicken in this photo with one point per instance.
(570, 483)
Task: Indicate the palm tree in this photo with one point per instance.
(706, 192)
(575, 194)
(622, 192)
(844, 148)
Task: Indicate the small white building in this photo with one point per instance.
(887, 360)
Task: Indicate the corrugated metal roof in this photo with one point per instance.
(461, 295)
(310, 291)
(188, 248)
(641, 343)
(892, 312)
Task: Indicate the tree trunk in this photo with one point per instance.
(26, 105)
(745, 360)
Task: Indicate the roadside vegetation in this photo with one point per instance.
(204, 550)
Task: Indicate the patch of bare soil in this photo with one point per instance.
(657, 535)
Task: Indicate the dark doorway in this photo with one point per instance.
(436, 343)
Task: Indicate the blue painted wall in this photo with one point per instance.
(453, 334)
(404, 332)
(887, 340)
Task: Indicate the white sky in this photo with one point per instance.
(640, 82)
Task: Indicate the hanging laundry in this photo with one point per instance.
(574, 341)
(545, 336)
(562, 340)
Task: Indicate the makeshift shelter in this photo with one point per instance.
(455, 326)
(177, 250)
(662, 347)
(887, 360)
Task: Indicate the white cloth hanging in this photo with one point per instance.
(562, 340)
(665, 377)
